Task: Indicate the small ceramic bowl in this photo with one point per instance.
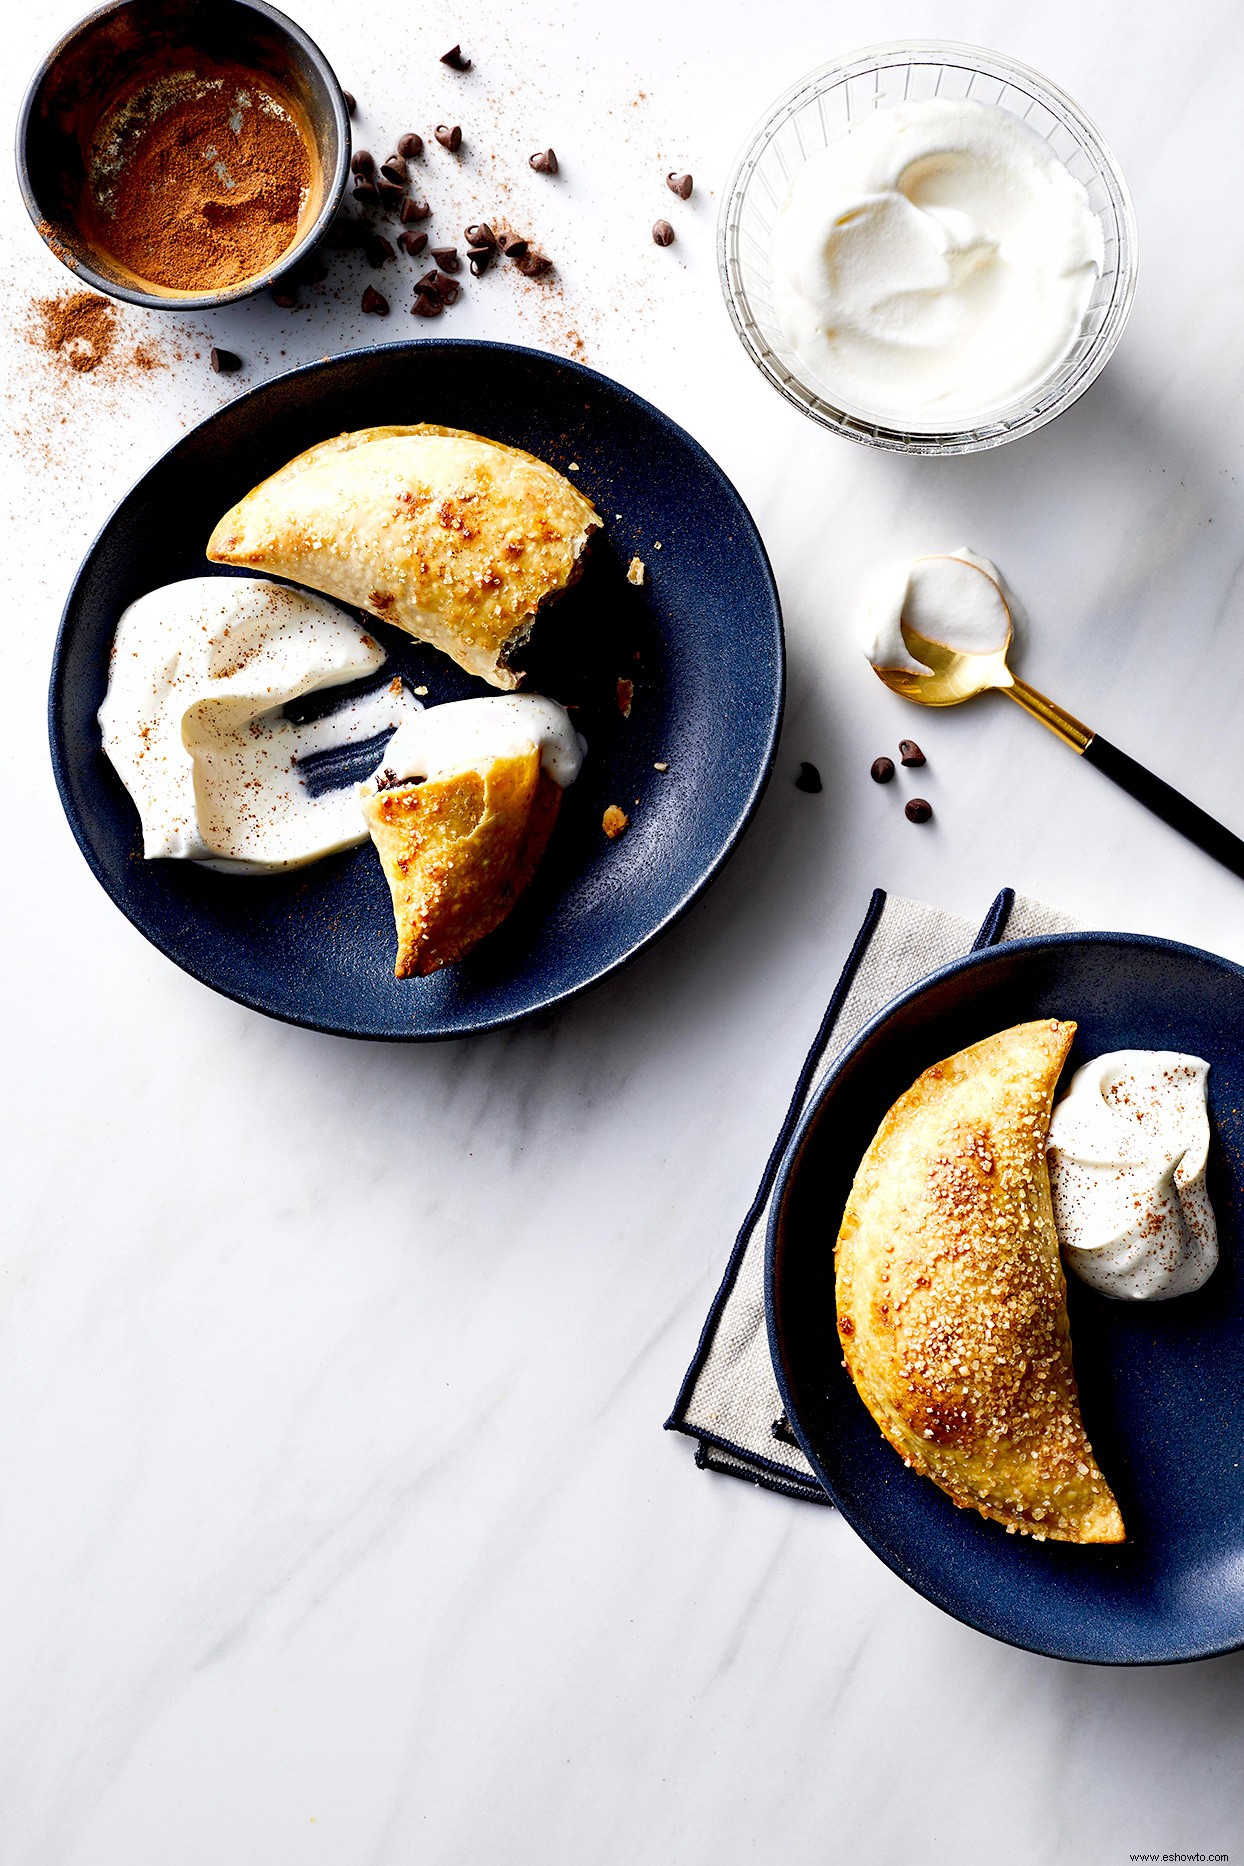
(822, 107)
(98, 62)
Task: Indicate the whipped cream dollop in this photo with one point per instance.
(1128, 1146)
(469, 735)
(193, 721)
(952, 597)
(932, 266)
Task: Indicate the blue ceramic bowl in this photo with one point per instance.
(1162, 1384)
(702, 642)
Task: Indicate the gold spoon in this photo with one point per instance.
(955, 675)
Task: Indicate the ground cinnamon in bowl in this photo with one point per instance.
(200, 179)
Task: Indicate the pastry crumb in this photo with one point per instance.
(626, 693)
(614, 822)
(395, 685)
(573, 467)
(656, 547)
(635, 571)
(421, 691)
(660, 765)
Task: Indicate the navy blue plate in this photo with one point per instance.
(1162, 1384)
(701, 641)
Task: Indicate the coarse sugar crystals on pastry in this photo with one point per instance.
(455, 538)
(951, 1299)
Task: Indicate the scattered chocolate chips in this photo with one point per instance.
(378, 250)
(681, 185)
(882, 770)
(412, 243)
(447, 290)
(663, 233)
(447, 258)
(513, 245)
(427, 283)
(394, 168)
(414, 207)
(481, 234)
(366, 194)
(910, 752)
(410, 145)
(480, 258)
(392, 194)
(544, 161)
(454, 59)
(287, 300)
(917, 810)
(375, 302)
(426, 305)
(809, 778)
(449, 136)
(224, 362)
(351, 103)
(533, 265)
(362, 162)
(348, 231)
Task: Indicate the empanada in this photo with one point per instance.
(461, 812)
(456, 539)
(952, 1308)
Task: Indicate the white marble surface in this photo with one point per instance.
(337, 1523)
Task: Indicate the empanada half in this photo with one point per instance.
(458, 851)
(952, 1305)
(457, 539)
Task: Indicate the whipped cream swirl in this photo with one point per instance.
(1128, 1146)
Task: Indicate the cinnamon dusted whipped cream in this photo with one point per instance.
(1128, 1146)
(470, 735)
(932, 266)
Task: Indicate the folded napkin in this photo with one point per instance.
(729, 1400)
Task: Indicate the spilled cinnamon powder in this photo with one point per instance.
(81, 327)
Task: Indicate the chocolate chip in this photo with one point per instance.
(392, 194)
(663, 233)
(544, 161)
(394, 168)
(426, 305)
(534, 264)
(414, 207)
(362, 162)
(309, 271)
(224, 362)
(412, 243)
(882, 770)
(286, 300)
(447, 258)
(809, 778)
(481, 234)
(454, 59)
(910, 752)
(448, 290)
(410, 145)
(449, 136)
(513, 245)
(374, 302)
(378, 250)
(427, 284)
(918, 811)
(480, 258)
(366, 194)
(351, 103)
(681, 185)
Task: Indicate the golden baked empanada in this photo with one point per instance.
(952, 1306)
(458, 851)
(456, 539)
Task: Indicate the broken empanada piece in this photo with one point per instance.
(456, 539)
(952, 1306)
(458, 851)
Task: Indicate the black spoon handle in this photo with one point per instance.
(1168, 803)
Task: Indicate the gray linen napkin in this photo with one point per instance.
(729, 1399)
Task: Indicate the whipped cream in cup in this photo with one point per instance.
(933, 266)
(1128, 1148)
